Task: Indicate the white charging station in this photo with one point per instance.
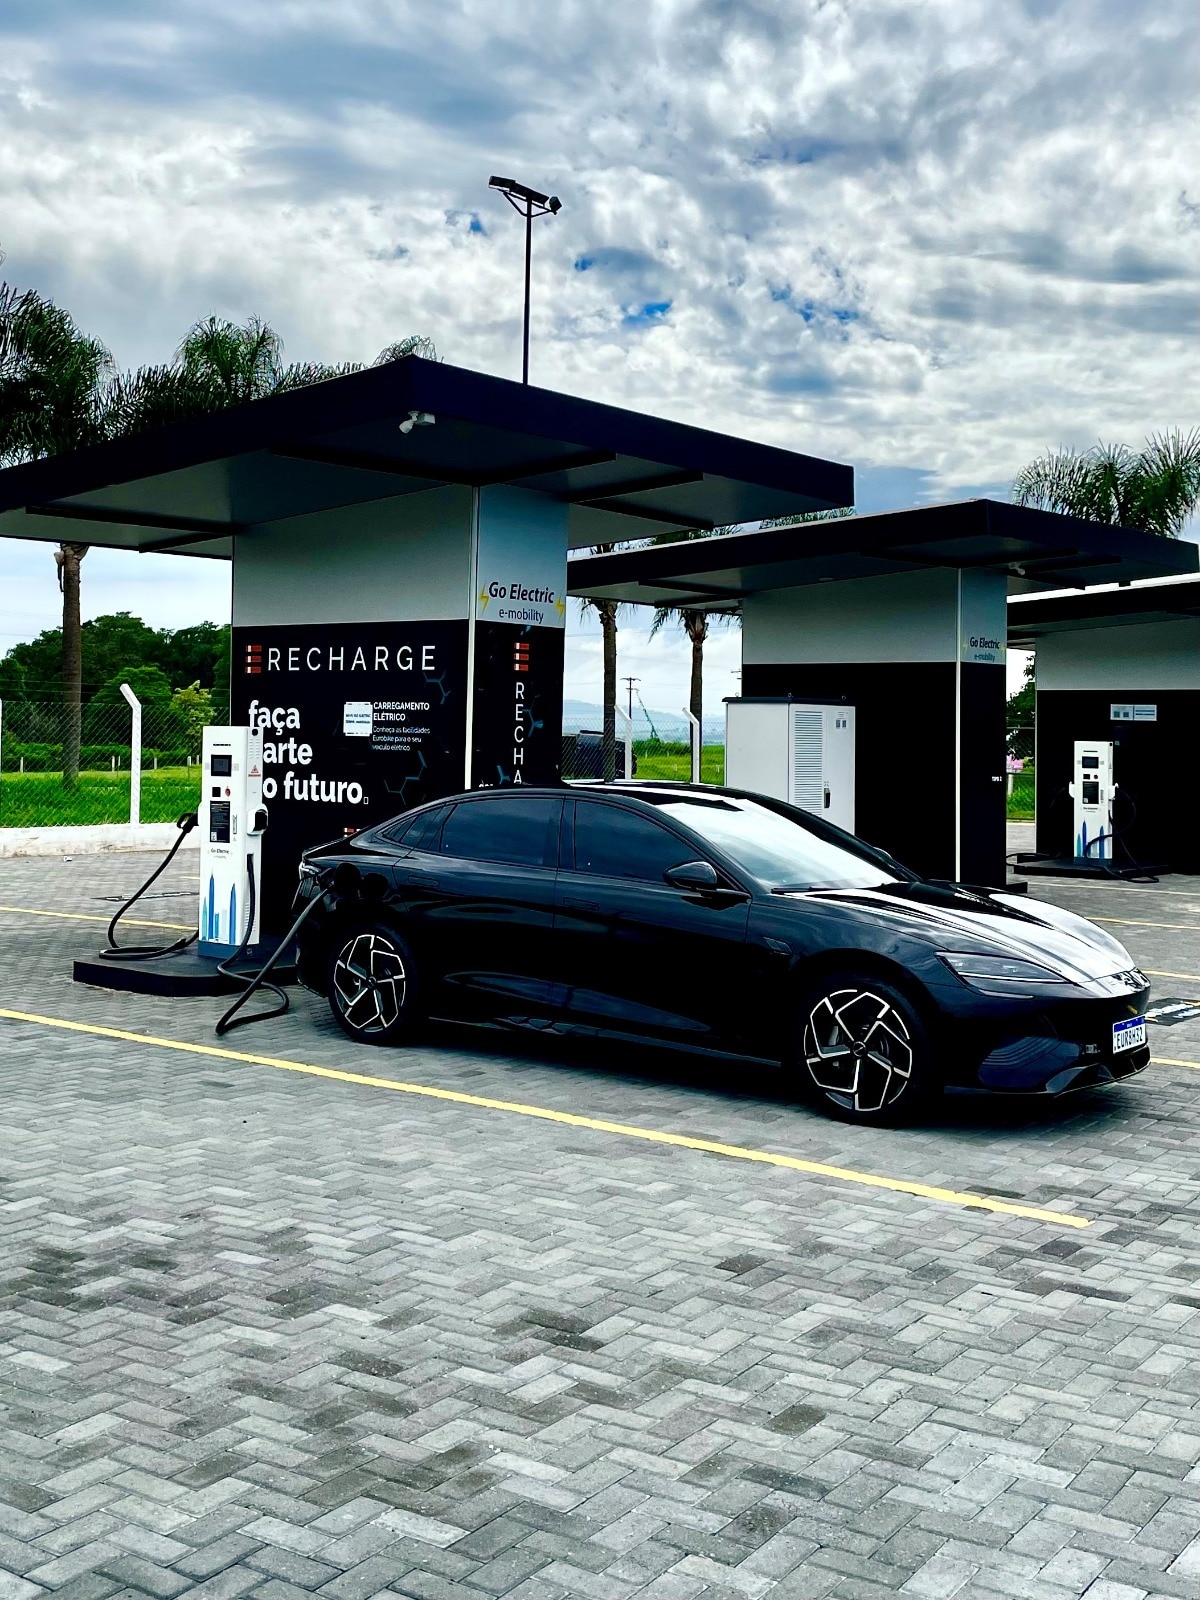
(793, 750)
(1092, 789)
(231, 822)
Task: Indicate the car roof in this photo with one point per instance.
(592, 786)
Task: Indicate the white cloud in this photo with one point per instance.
(931, 239)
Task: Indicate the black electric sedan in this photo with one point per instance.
(724, 921)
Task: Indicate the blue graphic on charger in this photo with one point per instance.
(1102, 842)
(210, 917)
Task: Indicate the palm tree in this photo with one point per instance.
(607, 611)
(694, 620)
(59, 391)
(222, 363)
(53, 381)
(1156, 488)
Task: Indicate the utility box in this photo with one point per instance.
(801, 751)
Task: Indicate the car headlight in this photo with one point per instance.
(1003, 974)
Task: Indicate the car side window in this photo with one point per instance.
(520, 830)
(399, 831)
(611, 842)
(419, 832)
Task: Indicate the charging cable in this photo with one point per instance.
(146, 952)
(262, 978)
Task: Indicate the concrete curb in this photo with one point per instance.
(91, 841)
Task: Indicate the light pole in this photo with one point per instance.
(529, 203)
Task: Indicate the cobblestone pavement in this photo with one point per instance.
(266, 1334)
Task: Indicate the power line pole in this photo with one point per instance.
(631, 682)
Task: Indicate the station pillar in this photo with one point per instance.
(395, 652)
(920, 655)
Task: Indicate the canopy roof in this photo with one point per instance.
(193, 486)
(1029, 619)
(1036, 549)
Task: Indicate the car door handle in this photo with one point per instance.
(581, 905)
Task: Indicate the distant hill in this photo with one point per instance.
(671, 726)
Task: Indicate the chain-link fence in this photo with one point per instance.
(587, 754)
(60, 768)
(638, 748)
(670, 758)
(1021, 775)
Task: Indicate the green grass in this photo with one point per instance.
(38, 799)
(677, 764)
(1020, 801)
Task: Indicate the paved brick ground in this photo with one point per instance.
(269, 1335)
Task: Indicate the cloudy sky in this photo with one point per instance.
(929, 238)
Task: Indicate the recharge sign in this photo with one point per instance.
(359, 723)
(516, 731)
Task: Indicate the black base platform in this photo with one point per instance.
(178, 976)
(1080, 868)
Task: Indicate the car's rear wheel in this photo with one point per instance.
(862, 1049)
(372, 984)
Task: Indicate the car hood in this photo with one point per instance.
(957, 918)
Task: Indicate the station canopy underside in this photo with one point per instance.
(1172, 601)
(192, 487)
(1036, 550)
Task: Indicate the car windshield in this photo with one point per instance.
(777, 850)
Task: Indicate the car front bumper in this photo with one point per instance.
(1051, 1051)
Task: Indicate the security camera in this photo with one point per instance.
(417, 419)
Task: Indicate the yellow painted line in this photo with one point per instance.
(1191, 977)
(1166, 1061)
(91, 916)
(598, 1124)
(1130, 922)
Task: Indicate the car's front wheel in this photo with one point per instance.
(862, 1050)
(372, 985)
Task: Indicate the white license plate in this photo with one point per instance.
(1128, 1035)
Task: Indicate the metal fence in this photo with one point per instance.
(584, 756)
(1021, 773)
(629, 752)
(59, 768)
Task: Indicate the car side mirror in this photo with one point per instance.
(693, 875)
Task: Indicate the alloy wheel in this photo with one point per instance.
(370, 983)
(858, 1050)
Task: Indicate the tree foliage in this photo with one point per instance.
(119, 644)
(148, 682)
(1022, 703)
(54, 379)
(60, 389)
(194, 709)
(1156, 489)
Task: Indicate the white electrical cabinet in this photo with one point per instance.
(801, 751)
